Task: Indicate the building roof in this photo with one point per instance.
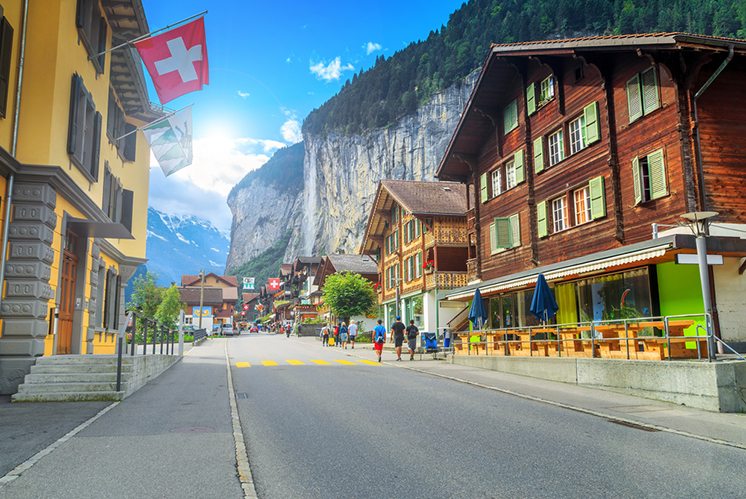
(309, 260)
(360, 264)
(230, 294)
(211, 297)
(498, 78)
(420, 198)
(194, 280)
(286, 269)
(249, 297)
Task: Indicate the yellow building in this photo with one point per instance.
(75, 192)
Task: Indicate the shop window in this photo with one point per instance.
(84, 130)
(559, 214)
(92, 30)
(556, 147)
(6, 51)
(649, 177)
(643, 95)
(510, 117)
(623, 295)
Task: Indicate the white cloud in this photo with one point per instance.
(202, 188)
(291, 131)
(243, 94)
(331, 71)
(371, 47)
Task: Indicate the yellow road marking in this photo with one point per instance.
(345, 362)
(369, 362)
(320, 362)
(295, 362)
(243, 364)
(269, 363)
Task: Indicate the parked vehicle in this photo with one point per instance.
(227, 329)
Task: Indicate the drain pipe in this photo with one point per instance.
(700, 172)
(13, 147)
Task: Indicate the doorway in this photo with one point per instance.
(67, 294)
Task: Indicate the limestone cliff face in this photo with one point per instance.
(341, 172)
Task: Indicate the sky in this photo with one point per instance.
(271, 63)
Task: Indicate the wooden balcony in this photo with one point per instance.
(445, 280)
(446, 235)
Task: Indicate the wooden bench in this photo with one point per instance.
(655, 347)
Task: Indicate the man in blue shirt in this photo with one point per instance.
(379, 338)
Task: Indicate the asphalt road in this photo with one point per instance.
(379, 431)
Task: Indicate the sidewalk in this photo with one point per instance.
(150, 445)
(730, 428)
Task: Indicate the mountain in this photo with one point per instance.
(395, 119)
(179, 245)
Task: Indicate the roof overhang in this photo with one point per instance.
(651, 251)
(93, 228)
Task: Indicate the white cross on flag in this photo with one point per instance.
(176, 60)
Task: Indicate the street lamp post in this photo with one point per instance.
(699, 222)
(201, 295)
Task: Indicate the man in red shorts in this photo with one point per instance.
(379, 338)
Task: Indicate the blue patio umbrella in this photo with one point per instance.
(543, 304)
(477, 312)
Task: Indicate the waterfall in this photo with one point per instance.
(309, 201)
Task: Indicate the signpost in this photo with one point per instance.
(248, 283)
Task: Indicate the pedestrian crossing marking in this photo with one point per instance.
(269, 363)
(320, 362)
(369, 362)
(243, 364)
(345, 362)
(295, 362)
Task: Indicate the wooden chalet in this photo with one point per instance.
(225, 286)
(417, 233)
(364, 265)
(570, 151)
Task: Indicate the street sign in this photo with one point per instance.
(206, 312)
(687, 259)
(248, 283)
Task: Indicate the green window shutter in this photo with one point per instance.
(531, 98)
(539, 154)
(650, 98)
(502, 233)
(483, 187)
(493, 237)
(636, 180)
(657, 168)
(592, 128)
(634, 98)
(520, 172)
(515, 231)
(598, 198)
(510, 116)
(541, 219)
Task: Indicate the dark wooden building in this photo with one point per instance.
(572, 149)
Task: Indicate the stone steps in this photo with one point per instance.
(74, 387)
(68, 396)
(78, 368)
(36, 378)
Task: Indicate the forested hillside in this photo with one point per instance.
(394, 87)
(284, 170)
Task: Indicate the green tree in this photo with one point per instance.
(348, 294)
(170, 306)
(146, 296)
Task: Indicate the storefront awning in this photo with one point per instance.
(609, 259)
(93, 228)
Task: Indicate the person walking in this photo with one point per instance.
(343, 335)
(336, 335)
(397, 331)
(325, 335)
(352, 331)
(379, 338)
(412, 333)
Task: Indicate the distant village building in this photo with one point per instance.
(364, 265)
(571, 150)
(223, 296)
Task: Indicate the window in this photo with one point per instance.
(510, 117)
(394, 215)
(418, 264)
(582, 199)
(649, 177)
(510, 174)
(642, 94)
(559, 214)
(92, 30)
(577, 135)
(111, 300)
(505, 233)
(84, 130)
(116, 127)
(497, 182)
(6, 50)
(546, 91)
(556, 148)
(100, 297)
(117, 202)
(483, 193)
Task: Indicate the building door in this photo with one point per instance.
(67, 295)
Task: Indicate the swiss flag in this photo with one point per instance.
(274, 283)
(177, 60)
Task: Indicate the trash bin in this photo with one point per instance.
(431, 341)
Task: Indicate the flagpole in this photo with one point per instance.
(163, 118)
(146, 35)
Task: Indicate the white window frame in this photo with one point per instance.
(582, 205)
(497, 181)
(556, 146)
(510, 181)
(578, 141)
(559, 214)
(546, 90)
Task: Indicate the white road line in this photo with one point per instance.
(242, 457)
(26, 465)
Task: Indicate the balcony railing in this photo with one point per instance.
(446, 235)
(445, 280)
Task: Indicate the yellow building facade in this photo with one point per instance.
(74, 172)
